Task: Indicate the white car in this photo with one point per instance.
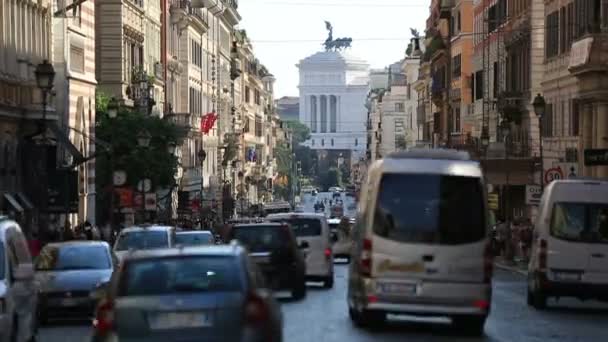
(420, 241)
(313, 229)
(570, 246)
(143, 237)
(342, 240)
(18, 289)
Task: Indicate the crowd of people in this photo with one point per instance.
(513, 239)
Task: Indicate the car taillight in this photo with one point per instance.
(542, 255)
(104, 318)
(327, 253)
(256, 311)
(488, 263)
(366, 258)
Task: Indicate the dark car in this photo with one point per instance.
(274, 248)
(67, 273)
(189, 294)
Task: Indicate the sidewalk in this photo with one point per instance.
(518, 266)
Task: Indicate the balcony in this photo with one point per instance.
(179, 4)
(588, 55)
(231, 12)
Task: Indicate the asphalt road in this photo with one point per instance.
(323, 316)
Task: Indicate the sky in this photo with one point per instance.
(285, 31)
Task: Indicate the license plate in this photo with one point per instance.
(174, 320)
(69, 302)
(396, 288)
(568, 276)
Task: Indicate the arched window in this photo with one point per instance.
(333, 114)
(323, 114)
(313, 114)
(332, 141)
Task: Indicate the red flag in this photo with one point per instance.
(208, 122)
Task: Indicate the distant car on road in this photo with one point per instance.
(143, 237)
(342, 240)
(274, 248)
(194, 238)
(191, 294)
(67, 273)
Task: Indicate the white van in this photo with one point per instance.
(421, 243)
(570, 249)
(313, 229)
(18, 289)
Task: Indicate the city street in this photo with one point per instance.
(323, 316)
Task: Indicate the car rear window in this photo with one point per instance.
(302, 226)
(2, 260)
(163, 276)
(261, 238)
(436, 209)
(73, 257)
(194, 239)
(144, 239)
(580, 222)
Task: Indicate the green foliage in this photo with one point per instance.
(284, 158)
(301, 133)
(154, 162)
(330, 178)
(308, 159)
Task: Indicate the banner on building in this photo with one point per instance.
(207, 122)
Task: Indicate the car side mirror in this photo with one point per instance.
(304, 245)
(100, 291)
(23, 272)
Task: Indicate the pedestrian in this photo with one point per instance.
(34, 244)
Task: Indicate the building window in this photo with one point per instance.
(247, 95)
(552, 36)
(456, 120)
(322, 142)
(323, 114)
(495, 80)
(332, 141)
(356, 142)
(456, 66)
(76, 15)
(258, 126)
(333, 114)
(399, 107)
(257, 97)
(313, 114)
(76, 58)
(479, 85)
(196, 54)
(547, 121)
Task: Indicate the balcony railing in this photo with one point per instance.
(181, 4)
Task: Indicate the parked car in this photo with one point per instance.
(143, 237)
(191, 294)
(570, 247)
(67, 273)
(313, 230)
(421, 246)
(17, 285)
(274, 248)
(194, 238)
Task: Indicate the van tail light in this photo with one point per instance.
(327, 253)
(104, 318)
(256, 311)
(542, 255)
(482, 304)
(366, 258)
(488, 263)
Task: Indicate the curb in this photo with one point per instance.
(511, 269)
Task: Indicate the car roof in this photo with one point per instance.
(232, 249)
(78, 243)
(146, 228)
(184, 232)
(295, 215)
(430, 163)
(430, 153)
(255, 225)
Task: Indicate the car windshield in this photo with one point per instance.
(162, 276)
(303, 226)
(144, 239)
(582, 222)
(194, 239)
(436, 209)
(1, 260)
(261, 238)
(73, 257)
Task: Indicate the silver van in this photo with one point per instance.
(18, 290)
(421, 243)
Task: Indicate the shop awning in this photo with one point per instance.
(13, 202)
(25, 201)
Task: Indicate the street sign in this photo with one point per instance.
(596, 157)
(493, 201)
(553, 174)
(569, 170)
(533, 194)
(150, 204)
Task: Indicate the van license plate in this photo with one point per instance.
(396, 288)
(568, 276)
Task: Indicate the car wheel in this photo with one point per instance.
(355, 317)
(299, 291)
(15, 330)
(328, 282)
(471, 325)
(536, 298)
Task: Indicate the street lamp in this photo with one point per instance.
(540, 105)
(45, 75)
(143, 139)
(113, 108)
(172, 148)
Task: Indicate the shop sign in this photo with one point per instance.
(533, 194)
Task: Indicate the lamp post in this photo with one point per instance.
(506, 131)
(539, 105)
(113, 107)
(202, 155)
(45, 75)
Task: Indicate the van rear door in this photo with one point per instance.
(428, 228)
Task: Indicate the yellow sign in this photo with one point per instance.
(493, 201)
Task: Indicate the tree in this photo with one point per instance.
(154, 163)
(308, 160)
(301, 133)
(330, 178)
